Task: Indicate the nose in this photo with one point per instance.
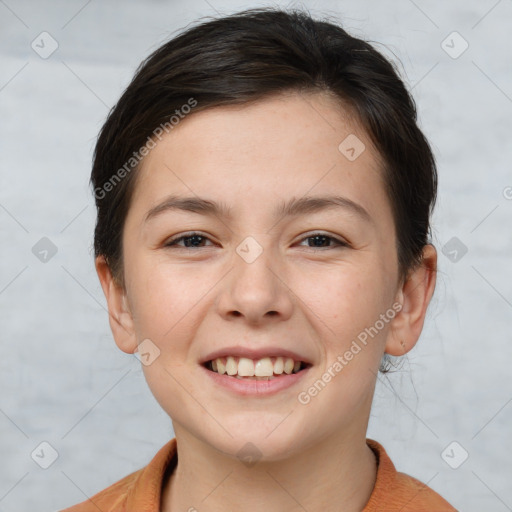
(256, 290)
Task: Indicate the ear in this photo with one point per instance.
(414, 295)
(120, 317)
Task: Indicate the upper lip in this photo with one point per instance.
(251, 353)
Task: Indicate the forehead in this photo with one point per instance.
(252, 155)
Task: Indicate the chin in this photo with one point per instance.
(251, 439)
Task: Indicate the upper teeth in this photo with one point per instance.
(245, 367)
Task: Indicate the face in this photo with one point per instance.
(258, 277)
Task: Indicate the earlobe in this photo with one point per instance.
(120, 317)
(414, 295)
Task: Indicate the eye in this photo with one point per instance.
(190, 240)
(320, 238)
(195, 240)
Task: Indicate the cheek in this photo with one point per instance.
(169, 301)
(346, 309)
(156, 297)
(346, 299)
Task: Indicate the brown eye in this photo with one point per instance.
(190, 240)
(321, 239)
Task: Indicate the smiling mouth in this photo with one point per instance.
(267, 368)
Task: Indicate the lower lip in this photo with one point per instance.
(252, 387)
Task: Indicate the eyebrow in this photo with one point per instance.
(290, 208)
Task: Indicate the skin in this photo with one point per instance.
(314, 299)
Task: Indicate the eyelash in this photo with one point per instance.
(338, 243)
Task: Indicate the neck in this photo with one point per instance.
(335, 474)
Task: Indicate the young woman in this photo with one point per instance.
(263, 195)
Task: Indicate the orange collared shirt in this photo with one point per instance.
(140, 491)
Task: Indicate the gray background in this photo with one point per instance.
(62, 378)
